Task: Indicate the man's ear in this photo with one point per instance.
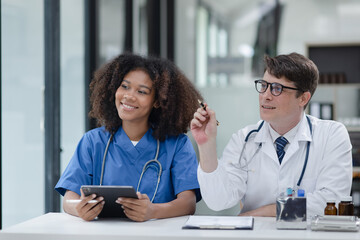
(305, 98)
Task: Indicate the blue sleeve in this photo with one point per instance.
(184, 168)
(79, 170)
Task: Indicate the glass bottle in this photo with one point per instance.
(346, 206)
(330, 208)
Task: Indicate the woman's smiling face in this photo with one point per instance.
(135, 97)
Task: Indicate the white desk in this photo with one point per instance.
(63, 226)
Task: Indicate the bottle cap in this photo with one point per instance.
(346, 199)
(301, 193)
(289, 191)
(331, 200)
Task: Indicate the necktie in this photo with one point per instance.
(280, 145)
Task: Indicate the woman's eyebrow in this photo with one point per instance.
(142, 86)
(145, 87)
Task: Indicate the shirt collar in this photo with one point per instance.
(290, 135)
(301, 132)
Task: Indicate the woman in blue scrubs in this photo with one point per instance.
(137, 102)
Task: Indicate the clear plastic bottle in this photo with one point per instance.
(330, 208)
(346, 206)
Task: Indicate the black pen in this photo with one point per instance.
(204, 107)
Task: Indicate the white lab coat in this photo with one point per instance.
(328, 173)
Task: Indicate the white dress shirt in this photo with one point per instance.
(259, 178)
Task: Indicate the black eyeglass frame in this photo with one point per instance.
(272, 85)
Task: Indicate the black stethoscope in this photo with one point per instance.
(146, 166)
(260, 145)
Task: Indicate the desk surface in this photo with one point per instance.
(63, 226)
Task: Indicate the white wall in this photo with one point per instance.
(318, 22)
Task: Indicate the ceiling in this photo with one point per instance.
(233, 10)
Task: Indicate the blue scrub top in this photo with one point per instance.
(124, 163)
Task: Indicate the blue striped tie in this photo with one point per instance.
(280, 145)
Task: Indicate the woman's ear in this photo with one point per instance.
(156, 104)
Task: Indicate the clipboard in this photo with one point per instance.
(220, 222)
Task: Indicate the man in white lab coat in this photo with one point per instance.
(256, 167)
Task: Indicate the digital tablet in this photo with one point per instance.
(110, 194)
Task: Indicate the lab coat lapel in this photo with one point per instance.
(303, 135)
(263, 136)
(293, 148)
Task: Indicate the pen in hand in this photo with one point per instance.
(204, 107)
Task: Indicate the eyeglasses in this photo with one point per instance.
(276, 88)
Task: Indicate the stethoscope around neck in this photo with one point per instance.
(146, 166)
(260, 145)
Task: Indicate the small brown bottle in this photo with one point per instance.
(330, 208)
(346, 206)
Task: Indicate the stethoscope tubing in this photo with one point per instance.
(146, 166)
(104, 158)
(307, 148)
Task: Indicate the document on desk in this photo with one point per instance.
(220, 222)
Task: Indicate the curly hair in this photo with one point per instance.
(175, 94)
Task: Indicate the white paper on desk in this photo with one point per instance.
(219, 222)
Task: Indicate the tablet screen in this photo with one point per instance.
(110, 194)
